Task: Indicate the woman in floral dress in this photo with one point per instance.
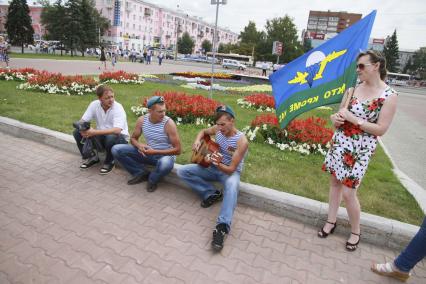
(371, 108)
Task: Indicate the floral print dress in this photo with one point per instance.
(352, 148)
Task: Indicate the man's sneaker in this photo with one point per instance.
(219, 235)
(151, 187)
(106, 168)
(138, 178)
(89, 162)
(215, 197)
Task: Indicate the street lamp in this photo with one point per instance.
(215, 2)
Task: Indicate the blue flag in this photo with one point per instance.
(321, 76)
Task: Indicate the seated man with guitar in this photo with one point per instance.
(162, 144)
(221, 161)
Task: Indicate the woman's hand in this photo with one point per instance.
(348, 116)
(337, 119)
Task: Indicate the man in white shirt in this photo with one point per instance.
(111, 127)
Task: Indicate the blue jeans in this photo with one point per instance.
(414, 252)
(108, 141)
(199, 178)
(135, 163)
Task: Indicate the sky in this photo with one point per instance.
(408, 17)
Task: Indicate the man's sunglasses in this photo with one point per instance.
(361, 66)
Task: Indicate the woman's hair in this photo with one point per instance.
(376, 56)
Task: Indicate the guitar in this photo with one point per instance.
(202, 156)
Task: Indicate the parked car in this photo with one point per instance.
(231, 63)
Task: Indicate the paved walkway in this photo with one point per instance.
(62, 225)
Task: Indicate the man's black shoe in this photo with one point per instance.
(219, 235)
(90, 162)
(151, 187)
(106, 168)
(217, 196)
(138, 178)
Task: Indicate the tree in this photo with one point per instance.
(284, 30)
(419, 63)
(77, 24)
(307, 45)
(206, 45)
(250, 35)
(185, 44)
(53, 19)
(18, 24)
(391, 53)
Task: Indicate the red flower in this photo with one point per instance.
(350, 129)
(269, 119)
(351, 182)
(187, 107)
(118, 75)
(264, 100)
(348, 159)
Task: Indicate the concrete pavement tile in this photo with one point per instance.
(269, 278)
(155, 277)
(8, 241)
(108, 275)
(114, 259)
(3, 278)
(157, 263)
(177, 257)
(229, 277)
(137, 271)
(246, 236)
(266, 264)
(263, 251)
(298, 275)
(114, 244)
(206, 268)
(138, 255)
(182, 273)
(258, 221)
(244, 226)
(325, 261)
(32, 275)
(242, 255)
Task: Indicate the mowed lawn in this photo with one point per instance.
(380, 193)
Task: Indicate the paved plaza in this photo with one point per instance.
(62, 225)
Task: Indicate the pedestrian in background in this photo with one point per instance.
(160, 58)
(103, 58)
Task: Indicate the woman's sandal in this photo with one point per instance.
(388, 269)
(322, 234)
(351, 246)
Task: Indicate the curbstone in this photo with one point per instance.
(375, 229)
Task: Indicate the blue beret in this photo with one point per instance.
(226, 109)
(154, 100)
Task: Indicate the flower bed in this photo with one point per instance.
(260, 101)
(17, 74)
(204, 86)
(183, 108)
(205, 75)
(305, 136)
(253, 88)
(121, 77)
(54, 83)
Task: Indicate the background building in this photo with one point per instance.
(323, 25)
(35, 13)
(137, 24)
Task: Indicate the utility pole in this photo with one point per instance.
(215, 2)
